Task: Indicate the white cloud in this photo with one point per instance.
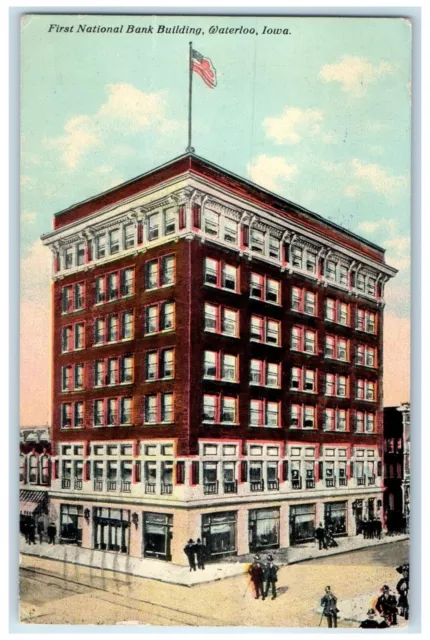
(371, 226)
(354, 73)
(139, 110)
(81, 136)
(365, 176)
(126, 108)
(293, 124)
(271, 171)
(29, 217)
(352, 191)
(378, 178)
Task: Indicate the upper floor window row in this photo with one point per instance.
(264, 288)
(73, 337)
(221, 227)
(160, 272)
(219, 274)
(73, 297)
(336, 272)
(365, 283)
(304, 259)
(113, 286)
(264, 243)
(220, 319)
(111, 242)
(114, 327)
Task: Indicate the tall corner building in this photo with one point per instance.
(217, 368)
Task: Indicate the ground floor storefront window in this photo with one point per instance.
(335, 517)
(219, 533)
(263, 529)
(111, 529)
(71, 523)
(157, 534)
(302, 523)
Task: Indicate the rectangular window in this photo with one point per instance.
(302, 417)
(127, 282)
(79, 376)
(66, 377)
(166, 363)
(72, 415)
(114, 241)
(274, 246)
(126, 325)
(169, 221)
(337, 311)
(154, 226)
(72, 337)
(160, 272)
(99, 377)
(264, 373)
(211, 223)
(303, 301)
(151, 365)
(159, 364)
(68, 258)
(264, 288)
(265, 330)
(112, 286)
(303, 340)
(336, 348)
(126, 369)
(257, 241)
(159, 317)
(230, 230)
(228, 367)
(365, 321)
(229, 276)
(129, 235)
(219, 409)
(100, 246)
(366, 390)
(220, 274)
(297, 257)
(263, 413)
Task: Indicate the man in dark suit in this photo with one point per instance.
(256, 573)
(371, 623)
(320, 536)
(190, 552)
(386, 606)
(403, 591)
(270, 577)
(200, 551)
(329, 605)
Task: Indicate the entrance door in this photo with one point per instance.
(111, 529)
(157, 534)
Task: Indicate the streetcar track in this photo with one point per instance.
(32, 570)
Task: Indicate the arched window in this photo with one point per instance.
(33, 475)
(22, 468)
(44, 469)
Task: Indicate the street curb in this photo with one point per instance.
(334, 552)
(127, 573)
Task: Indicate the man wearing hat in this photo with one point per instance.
(256, 573)
(386, 606)
(329, 605)
(271, 577)
(190, 552)
(371, 623)
(403, 591)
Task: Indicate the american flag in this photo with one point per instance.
(204, 67)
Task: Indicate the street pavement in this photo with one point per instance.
(55, 592)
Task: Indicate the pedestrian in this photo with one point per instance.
(378, 529)
(32, 532)
(270, 577)
(200, 552)
(25, 529)
(40, 530)
(52, 532)
(371, 623)
(256, 571)
(403, 591)
(386, 606)
(365, 528)
(329, 539)
(329, 605)
(190, 552)
(320, 537)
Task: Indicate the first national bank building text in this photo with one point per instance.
(129, 28)
(217, 368)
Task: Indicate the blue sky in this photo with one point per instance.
(321, 116)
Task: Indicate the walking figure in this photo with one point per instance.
(320, 537)
(386, 606)
(365, 529)
(270, 577)
(32, 532)
(190, 552)
(200, 551)
(256, 571)
(329, 605)
(52, 532)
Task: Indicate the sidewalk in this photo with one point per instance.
(175, 574)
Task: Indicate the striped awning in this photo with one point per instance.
(30, 500)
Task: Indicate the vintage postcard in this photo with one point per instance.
(215, 314)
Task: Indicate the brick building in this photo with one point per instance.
(217, 367)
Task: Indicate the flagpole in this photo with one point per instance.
(190, 149)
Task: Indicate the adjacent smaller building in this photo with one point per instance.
(394, 469)
(34, 472)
